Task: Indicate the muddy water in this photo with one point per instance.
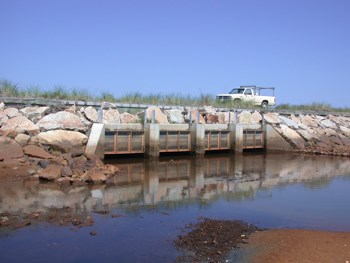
(150, 202)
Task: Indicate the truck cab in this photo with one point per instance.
(251, 94)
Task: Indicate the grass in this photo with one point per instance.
(10, 89)
(312, 107)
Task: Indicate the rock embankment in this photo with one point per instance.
(52, 141)
(313, 134)
(49, 144)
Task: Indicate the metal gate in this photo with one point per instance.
(217, 140)
(174, 141)
(253, 139)
(124, 142)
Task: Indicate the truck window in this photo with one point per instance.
(248, 92)
(237, 91)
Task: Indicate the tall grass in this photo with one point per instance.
(10, 89)
(31, 92)
(107, 96)
(81, 94)
(314, 106)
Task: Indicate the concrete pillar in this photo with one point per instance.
(274, 141)
(152, 131)
(151, 181)
(198, 138)
(238, 165)
(236, 134)
(197, 173)
(95, 146)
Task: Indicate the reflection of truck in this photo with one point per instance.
(249, 93)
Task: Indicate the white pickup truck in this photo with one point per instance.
(249, 93)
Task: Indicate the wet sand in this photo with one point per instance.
(294, 245)
(236, 241)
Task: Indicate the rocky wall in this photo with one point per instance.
(50, 142)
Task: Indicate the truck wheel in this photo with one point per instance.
(264, 104)
(237, 100)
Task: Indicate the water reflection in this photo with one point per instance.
(172, 182)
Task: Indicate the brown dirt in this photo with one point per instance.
(62, 217)
(295, 245)
(212, 240)
(217, 240)
(15, 171)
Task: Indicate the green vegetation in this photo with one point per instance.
(312, 107)
(10, 89)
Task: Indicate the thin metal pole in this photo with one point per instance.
(262, 119)
(100, 114)
(153, 116)
(144, 116)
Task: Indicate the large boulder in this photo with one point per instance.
(257, 117)
(337, 120)
(272, 118)
(126, 117)
(64, 141)
(91, 114)
(292, 136)
(193, 115)
(95, 175)
(17, 125)
(308, 120)
(209, 110)
(9, 149)
(345, 130)
(245, 117)
(307, 134)
(160, 117)
(3, 118)
(212, 118)
(51, 172)
(11, 112)
(22, 139)
(36, 151)
(175, 116)
(35, 113)
(329, 124)
(61, 120)
(226, 117)
(345, 140)
(295, 119)
(111, 116)
(289, 122)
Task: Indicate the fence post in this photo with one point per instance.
(144, 116)
(153, 116)
(262, 119)
(100, 114)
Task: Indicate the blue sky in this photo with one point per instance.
(301, 47)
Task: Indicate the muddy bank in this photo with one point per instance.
(237, 241)
(212, 240)
(295, 245)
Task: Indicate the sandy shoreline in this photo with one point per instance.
(296, 245)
